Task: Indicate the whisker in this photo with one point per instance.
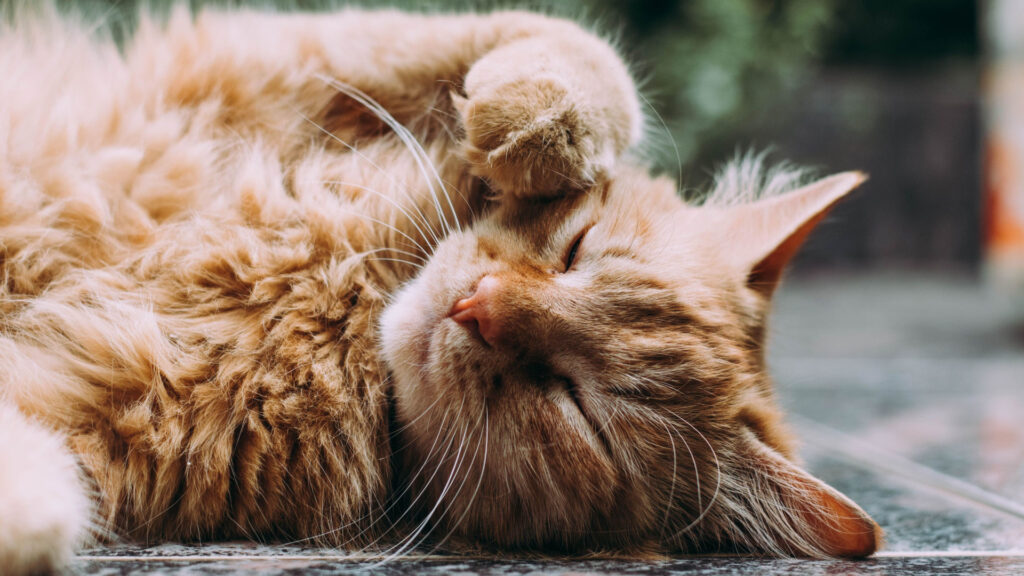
(476, 489)
(672, 490)
(703, 509)
(671, 137)
(395, 250)
(419, 155)
(396, 260)
(718, 483)
(409, 540)
(418, 416)
(456, 468)
(449, 482)
(381, 222)
(356, 151)
(395, 500)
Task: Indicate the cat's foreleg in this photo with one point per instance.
(548, 111)
(545, 106)
(44, 507)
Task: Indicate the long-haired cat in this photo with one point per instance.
(375, 279)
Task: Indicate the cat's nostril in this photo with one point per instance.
(476, 312)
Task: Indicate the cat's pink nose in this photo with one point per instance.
(476, 313)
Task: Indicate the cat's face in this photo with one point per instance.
(587, 372)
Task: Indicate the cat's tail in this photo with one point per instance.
(45, 510)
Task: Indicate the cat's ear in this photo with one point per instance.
(798, 514)
(763, 236)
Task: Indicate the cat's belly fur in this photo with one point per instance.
(185, 301)
(219, 379)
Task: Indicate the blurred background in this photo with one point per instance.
(890, 88)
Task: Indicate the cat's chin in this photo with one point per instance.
(414, 327)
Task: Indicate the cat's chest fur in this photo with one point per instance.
(245, 393)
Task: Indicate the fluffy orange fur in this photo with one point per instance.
(230, 253)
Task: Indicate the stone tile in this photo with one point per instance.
(918, 518)
(217, 549)
(923, 379)
(895, 315)
(961, 418)
(705, 566)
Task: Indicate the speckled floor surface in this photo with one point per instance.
(908, 392)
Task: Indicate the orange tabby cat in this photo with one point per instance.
(240, 300)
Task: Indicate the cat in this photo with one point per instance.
(379, 279)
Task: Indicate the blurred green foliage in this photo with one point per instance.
(712, 68)
(705, 62)
(715, 69)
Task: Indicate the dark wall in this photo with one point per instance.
(918, 137)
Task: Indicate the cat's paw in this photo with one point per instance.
(44, 511)
(532, 138)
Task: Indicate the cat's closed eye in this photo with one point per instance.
(574, 248)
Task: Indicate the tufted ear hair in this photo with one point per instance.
(761, 238)
(785, 510)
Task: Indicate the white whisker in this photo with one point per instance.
(419, 155)
(356, 151)
(718, 483)
(671, 137)
(395, 498)
(410, 539)
(672, 490)
(476, 489)
(381, 222)
(419, 257)
(396, 260)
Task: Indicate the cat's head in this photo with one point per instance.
(588, 372)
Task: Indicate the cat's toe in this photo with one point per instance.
(532, 139)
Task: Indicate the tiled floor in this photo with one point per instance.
(909, 394)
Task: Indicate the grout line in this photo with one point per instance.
(881, 460)
(953, 554)
(285, 557)
(931, 360)
(375, 558)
